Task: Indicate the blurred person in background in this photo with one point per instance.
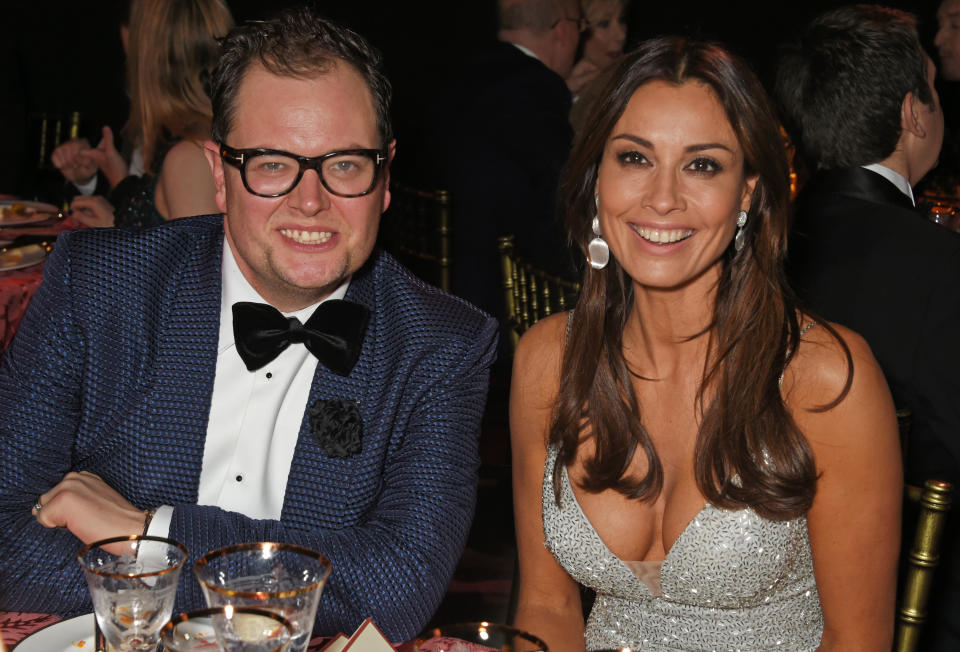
(512, 134)
(601, 47)
(171, 49)
(947, 40)
(603, 42)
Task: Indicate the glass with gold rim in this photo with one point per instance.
(229, 628)
(133, 582)
(280, 577)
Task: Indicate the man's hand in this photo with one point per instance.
(92, 211)
(71, 159)
(582, 74)
(85, 505)
(108, 159)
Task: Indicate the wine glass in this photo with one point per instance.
(478, 637)
(280, 577)
(133, 582)
(232, 629)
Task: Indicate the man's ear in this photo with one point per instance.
(212, 151)
(391, 152)
(910, 117)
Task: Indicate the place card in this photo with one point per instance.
(366, 638)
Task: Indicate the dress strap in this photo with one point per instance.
(803, 331)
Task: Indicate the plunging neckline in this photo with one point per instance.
(627, 564)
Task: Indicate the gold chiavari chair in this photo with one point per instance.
(530, 293)
(417, 230)
(934, 503)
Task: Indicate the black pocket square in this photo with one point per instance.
(337, 426)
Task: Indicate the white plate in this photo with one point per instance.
(20, 257)
(36, 212)
(74, 635)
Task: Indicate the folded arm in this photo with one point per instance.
(393, 565)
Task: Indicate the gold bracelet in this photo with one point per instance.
(148, 514)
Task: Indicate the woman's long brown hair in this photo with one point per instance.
(172, 50)
(749, 451)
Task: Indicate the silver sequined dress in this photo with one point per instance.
(732, 581)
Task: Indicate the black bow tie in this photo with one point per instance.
(333, 333)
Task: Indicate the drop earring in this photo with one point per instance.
(739, 238)
(598, 251)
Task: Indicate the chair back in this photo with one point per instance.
(416, 229)
(47, 132)
(530, 293)
(934, 503)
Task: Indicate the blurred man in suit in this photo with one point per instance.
(858, 90)
(260, 375)
(510, 137)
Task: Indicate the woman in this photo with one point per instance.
(171, 50)
(715, 463)
(603, 43)
(600, 48)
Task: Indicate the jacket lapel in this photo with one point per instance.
(862, 184)
(309, 458)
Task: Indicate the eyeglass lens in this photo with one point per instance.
(342, 174)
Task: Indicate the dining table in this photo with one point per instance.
(17, 625)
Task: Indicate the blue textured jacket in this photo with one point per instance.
(112, 370)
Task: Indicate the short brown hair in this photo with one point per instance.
(841, 85)
(296, 43)
(535, 15)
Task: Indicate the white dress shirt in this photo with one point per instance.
(895, 178)
(526, 51)
(255, 416)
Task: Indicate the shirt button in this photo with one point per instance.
(269, 375)
(239, 478)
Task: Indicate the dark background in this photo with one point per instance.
(58, 56)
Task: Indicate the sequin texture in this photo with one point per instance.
(732, 581)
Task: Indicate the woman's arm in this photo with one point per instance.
(549, 599)
(185, 184)
(855, 519)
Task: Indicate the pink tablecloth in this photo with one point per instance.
(18, 286)
(17, 625)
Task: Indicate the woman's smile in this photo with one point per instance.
(661, 235)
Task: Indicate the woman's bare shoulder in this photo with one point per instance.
(836, 390)
(542, 345)
(184, 152)
(828, 359)
(536, 362)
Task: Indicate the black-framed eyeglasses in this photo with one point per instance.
(582, 23)
(274, 173)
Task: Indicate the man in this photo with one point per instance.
(511, 137)
(858, 89)
(141, 380)
(947, 40)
